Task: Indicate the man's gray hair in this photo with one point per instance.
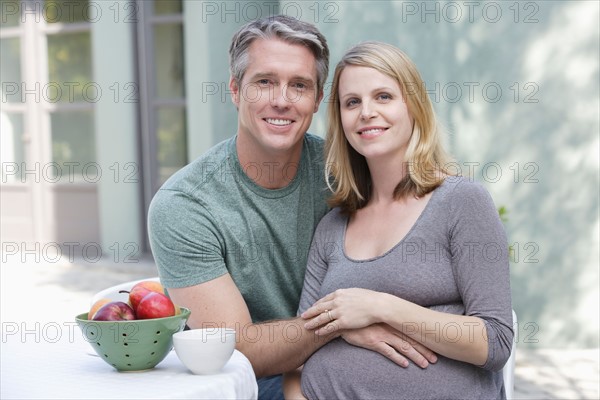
(285, 28)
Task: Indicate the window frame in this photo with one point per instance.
(149, 102)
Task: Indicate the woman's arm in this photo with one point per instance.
(458, 337)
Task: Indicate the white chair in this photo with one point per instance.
(508, 372)
(113, 294)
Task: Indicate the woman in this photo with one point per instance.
(407, 244)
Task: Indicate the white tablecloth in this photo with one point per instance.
(43, 364)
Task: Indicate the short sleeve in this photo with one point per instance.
(185, 244)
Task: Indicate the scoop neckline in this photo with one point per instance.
(394, 247)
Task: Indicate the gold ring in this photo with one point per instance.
(329, 315)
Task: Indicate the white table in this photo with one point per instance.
(47, 363)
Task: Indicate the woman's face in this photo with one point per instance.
(374, 114)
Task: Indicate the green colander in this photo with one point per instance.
(135, 345)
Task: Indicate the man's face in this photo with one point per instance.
(276, 99)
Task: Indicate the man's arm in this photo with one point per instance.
(272, 347)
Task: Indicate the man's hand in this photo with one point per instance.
(390, 343)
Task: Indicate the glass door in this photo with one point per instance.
(47, 117)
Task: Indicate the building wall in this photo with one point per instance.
(117, 140)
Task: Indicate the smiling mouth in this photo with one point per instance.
(278, 121)
(373, 131)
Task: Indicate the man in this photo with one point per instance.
(230, 232)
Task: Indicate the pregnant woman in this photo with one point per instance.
(407, 244)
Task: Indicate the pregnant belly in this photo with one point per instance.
(342, 371)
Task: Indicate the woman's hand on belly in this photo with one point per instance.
(344, 309)
(356, 308)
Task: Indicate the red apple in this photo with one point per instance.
(155, 305)
(141, 289)
(114, 311)
(136, 295)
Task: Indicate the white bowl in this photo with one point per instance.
(205, 351)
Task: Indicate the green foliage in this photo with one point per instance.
(502, 212)
(70, 65)
(66, 11)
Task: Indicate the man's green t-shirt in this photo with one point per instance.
(210, 218)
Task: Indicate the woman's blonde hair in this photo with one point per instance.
(426, 159)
